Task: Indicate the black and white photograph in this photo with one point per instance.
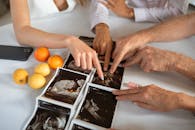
(49, 117)
(78, 127)
(98, 107)
(66, 86)
(110, 80)
(70, 64)
(88, 40)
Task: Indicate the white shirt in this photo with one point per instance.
(144, 10)
(41, 8)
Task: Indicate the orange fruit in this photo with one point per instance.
(42, 54)
(55, 61)
(43, 69)
(20, 76)
(36, 81)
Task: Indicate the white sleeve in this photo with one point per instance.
(98, 14)
(157, 14)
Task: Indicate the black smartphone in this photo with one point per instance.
(15, 52)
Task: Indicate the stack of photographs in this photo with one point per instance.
(96, 110)
(64, 91)
(77, 99)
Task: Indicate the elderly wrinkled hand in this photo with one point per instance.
(154, 59)
(150, 97)
(126, 47)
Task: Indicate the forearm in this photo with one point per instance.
(186, 102)
(175, 29)
(155, 14)
(185, 66)
(98, 14)
(28, 35)
(36, 38)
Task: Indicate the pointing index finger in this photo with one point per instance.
(97, 65)
(116, 62)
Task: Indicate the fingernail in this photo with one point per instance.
(105, 69)
(111, 71)
(102, 78)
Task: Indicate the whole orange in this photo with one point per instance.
(42, 54)
(20, 76)
(55, 61)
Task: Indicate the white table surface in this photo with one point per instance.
(17, 102)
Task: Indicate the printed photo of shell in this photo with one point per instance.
(66, 86)
(98, 107)
(110, 80)
(49, 117)
(70, 64)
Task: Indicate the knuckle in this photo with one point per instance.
(147, 48)
(152, 63)
(145, 95)
(104, 45)
(152, 86)
(89, 54)
(94, 52)
(147, 89)
(147, 51)
(78, 55)
(83, 53)
(146, 69)
(149, 57)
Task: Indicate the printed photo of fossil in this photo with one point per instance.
(49, 117)
(66, 86)
(110, 80)
(70, 64)
(98, 107)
